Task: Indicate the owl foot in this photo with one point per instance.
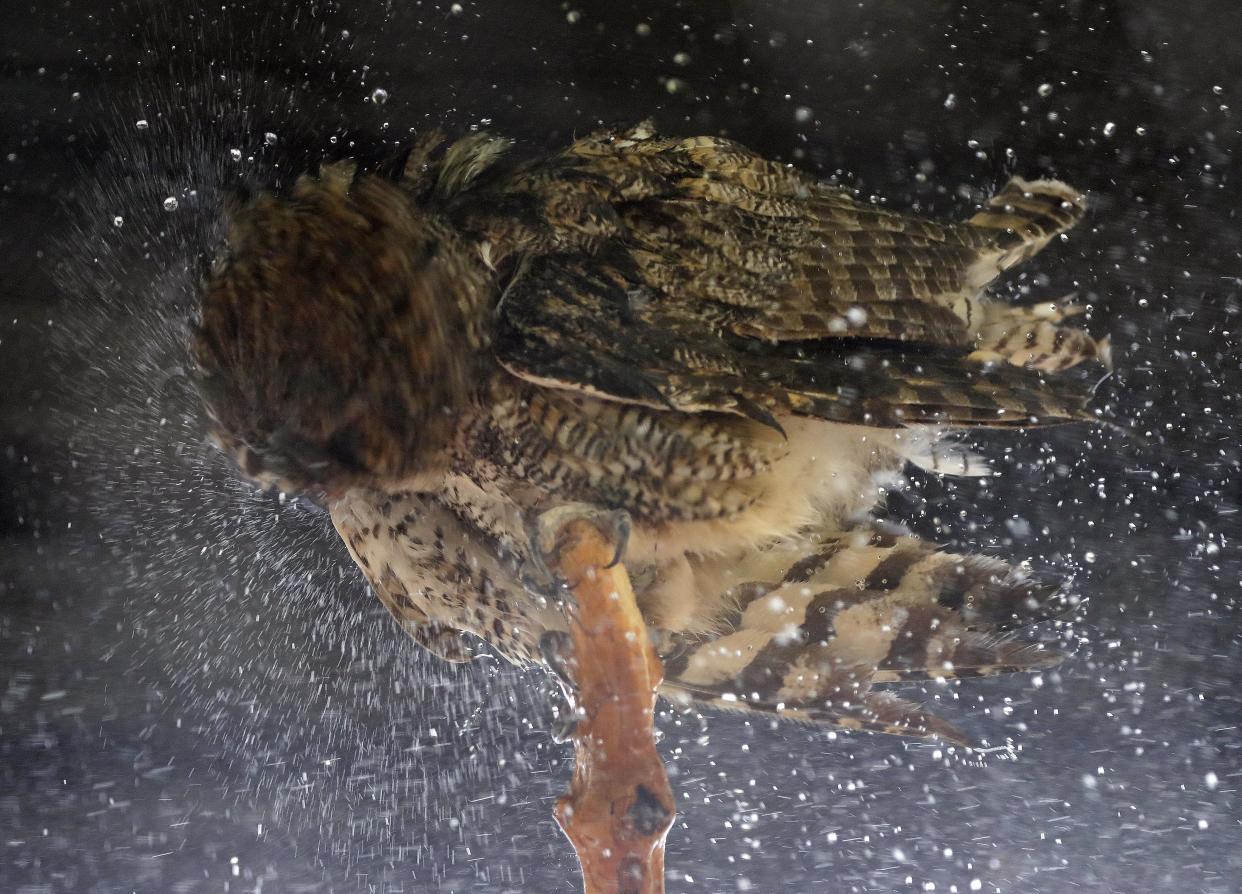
(548, 533)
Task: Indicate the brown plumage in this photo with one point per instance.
(728, 350)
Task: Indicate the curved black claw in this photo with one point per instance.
(619, 535)
(544, 530)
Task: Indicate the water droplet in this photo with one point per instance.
(455, 9)
(170, 203)
(950, 101)
(682, 58)
(573, 17)
(345, 35)
(1211, 780)
(642, 29)
(1044, 90)
(142, 124)
(269, 139)
(803, 114)
(118, 221)
(674, 85)
(235, 154)
(75, 96)
(1110, 128)
(379, 96)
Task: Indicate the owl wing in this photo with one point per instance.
(730, 283)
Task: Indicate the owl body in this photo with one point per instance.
(737, 356)
(686, 556)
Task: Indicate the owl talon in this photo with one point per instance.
(622, 527)
(546, 530)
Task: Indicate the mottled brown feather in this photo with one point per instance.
(720, 345)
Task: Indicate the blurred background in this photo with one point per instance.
(197, 693)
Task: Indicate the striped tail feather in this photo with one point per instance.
(872, 711)
(1033, 336)
(859, 610)
(1025, 215)
(1021, 219)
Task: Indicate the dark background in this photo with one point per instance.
(198, 694)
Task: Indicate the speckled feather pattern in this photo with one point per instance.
(732, 352)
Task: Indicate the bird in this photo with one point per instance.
(735, 357)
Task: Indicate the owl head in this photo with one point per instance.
(341, 334)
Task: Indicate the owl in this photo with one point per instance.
(736, 356)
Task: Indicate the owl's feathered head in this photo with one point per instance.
(341, 333)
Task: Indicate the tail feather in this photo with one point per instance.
(1020, 220)
(990, 594)
(972, 655)
(861, 610)
(874, 711)
(932, 450)
(1027, 214)
(1033, 336)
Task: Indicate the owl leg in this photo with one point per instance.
(547, 533)
(548, 527)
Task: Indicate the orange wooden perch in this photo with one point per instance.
(620, 806)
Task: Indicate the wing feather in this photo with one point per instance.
(732, 283)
